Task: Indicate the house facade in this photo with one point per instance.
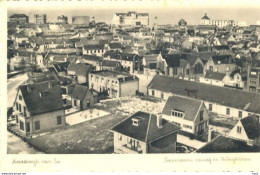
(253, 79)
(220, 63)
(82, 97)
(116, 84)
(97, 50)
(131, 19)
(193, 120)
(39, 107)
(221, 100)
(247, 130)
(144, 133)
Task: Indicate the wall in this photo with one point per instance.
(181, 121)
(166, 144)
(129, 88)
(119, 145)
(220, 109)
(47, 120)
(216, 108)
(242, 136)
(82, 79)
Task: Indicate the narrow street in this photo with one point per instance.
(14, 144)
(17, 146)
(12, 85)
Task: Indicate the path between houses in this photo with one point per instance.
(192, 143)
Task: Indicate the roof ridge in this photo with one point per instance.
(148, 127)
(198, 111)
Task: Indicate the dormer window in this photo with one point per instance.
(43, 94)
(177, 113)
(136, 121)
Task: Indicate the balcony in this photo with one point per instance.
(131, 150)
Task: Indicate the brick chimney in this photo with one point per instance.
(159, 120)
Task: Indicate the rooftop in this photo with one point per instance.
(227, 145)
(147, 130)
(222, 95)
(182, 104)
(37, 103)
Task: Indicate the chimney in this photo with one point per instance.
(159, 120)
(50, 85)
(29, 88)
(210, 134)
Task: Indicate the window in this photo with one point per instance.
(162, 95)
(240, 114)
(59, 120)
(20, 97)
(16, 106)
(21, 126)
(187, 126)
(187, 72)
(119, 136)
(238, 129)
(201, 115)
(211, 68)
(177, 113)
(228, 111)
(24, 111)
(210, 107)
(216, 69)
(20, 108)
(37, 125)
(152, 92)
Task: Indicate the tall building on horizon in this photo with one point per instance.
(205, 20)
(40, 18)
(131, 19)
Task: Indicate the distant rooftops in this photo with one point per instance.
(18, 16)
(132, 12)
(113, 74)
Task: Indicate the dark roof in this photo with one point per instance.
(206, 27)
(214, 75)
(147, 130)
(222, 47)
(234, 72)
(108, 63)
(50, 101)
(205, 17)
(92, 58)
(18, 16)
(221, 95)
(172, 60)
(189, 106)
(227, 145)
(223, 59)
(115, 45)
(204, 48)
(252, 126)
(79, 92)
(82, 69)
(93, 47)
(60, 67)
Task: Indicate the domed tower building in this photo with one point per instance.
(205, 20)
